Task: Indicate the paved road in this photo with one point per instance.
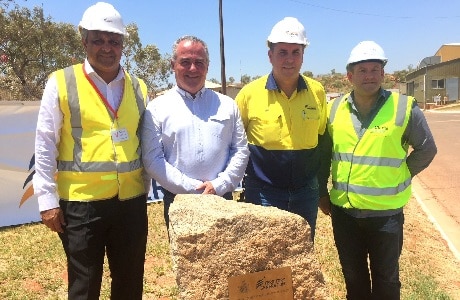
(437, 188)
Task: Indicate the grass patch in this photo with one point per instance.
(424, 287)
(428, 270)
(33, 265)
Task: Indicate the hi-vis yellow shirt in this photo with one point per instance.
(94, 162)
(283, 132)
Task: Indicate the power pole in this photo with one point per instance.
(222, 55)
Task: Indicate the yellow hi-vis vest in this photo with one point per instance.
(369, 169)
(91, 165)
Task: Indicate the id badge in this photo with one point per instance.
(120, 135)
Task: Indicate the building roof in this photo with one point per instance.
(448, 51)
(212, 85)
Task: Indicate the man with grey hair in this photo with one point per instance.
(193, 140)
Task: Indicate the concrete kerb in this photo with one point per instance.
(442, 223)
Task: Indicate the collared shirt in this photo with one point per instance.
(283, 133)
(49, 124)
(271, 84)
(188, 140)
(417, 135)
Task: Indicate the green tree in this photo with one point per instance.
(145, 62)
(245, 79)
(231, 80)
(400, 76)
(33, 46)
(308, 74)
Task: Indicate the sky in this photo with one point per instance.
(407, 30)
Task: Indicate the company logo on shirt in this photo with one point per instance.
(379, 129)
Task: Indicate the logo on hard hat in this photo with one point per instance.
(292, 33)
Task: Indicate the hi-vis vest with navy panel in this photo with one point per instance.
(91, 164)
(369, 169)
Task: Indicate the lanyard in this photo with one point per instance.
(107, 104)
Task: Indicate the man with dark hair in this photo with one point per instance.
(369, 134)
(284, 114)
(89, 176)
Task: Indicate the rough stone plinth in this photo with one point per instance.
(213, 239)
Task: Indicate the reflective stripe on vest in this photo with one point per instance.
(88, 156)
(75, 120)
(368, 160)
(364, 190)
(369, 168)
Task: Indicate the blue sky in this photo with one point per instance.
(408, 30)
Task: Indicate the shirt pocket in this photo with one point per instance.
(219, 127)
(310, 135)
(310, 113)
(310, 125)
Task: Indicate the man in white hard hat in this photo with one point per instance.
(284, 114)
(88, 165)
(370, 131)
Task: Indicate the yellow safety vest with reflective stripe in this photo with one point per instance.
(369, 169)
(91, 164)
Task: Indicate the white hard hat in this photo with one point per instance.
(103, 17)
(289, 30)
(367, 50)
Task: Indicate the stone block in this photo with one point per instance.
(213, 239)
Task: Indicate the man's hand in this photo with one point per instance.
(53, 219)
(325, 205)
(207, 188)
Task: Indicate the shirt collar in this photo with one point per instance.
(90, 71)
(381, 98)
(271, 83)
(186, 94)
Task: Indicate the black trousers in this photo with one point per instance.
(113, 227)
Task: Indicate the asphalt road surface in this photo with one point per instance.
(437, 188)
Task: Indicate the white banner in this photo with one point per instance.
(18, 205)
(17, 134)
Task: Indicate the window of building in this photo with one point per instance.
(438, 84)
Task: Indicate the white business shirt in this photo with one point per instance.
(186, 141)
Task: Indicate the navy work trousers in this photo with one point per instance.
(377, 239)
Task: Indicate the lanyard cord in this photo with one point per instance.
(107, 104)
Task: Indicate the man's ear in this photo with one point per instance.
(84, 42)
(349, 75)
(270, 53)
